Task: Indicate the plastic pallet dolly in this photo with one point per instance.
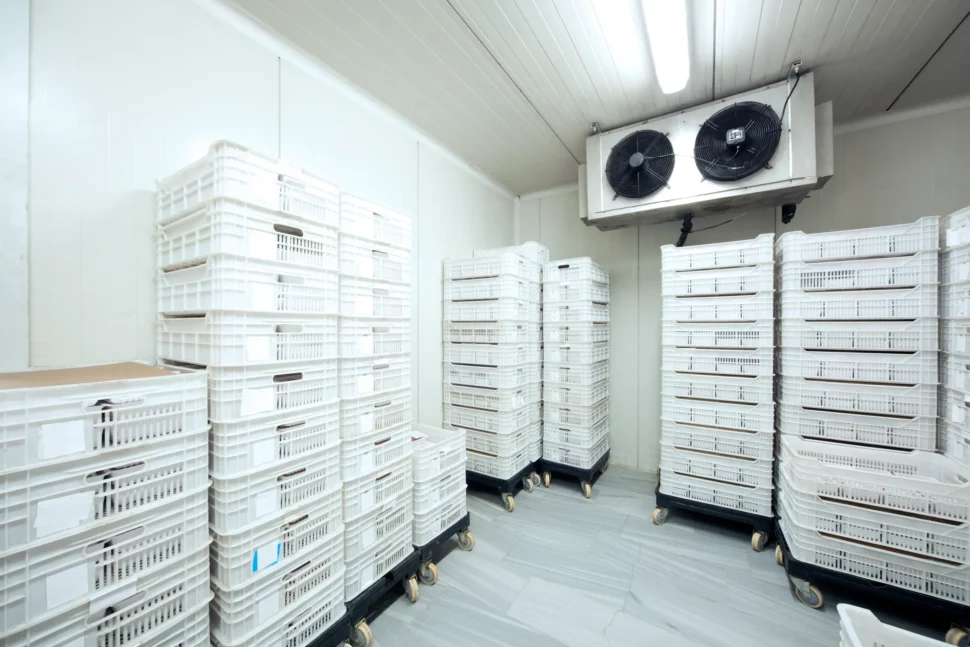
(526, 478)
(586, 476)
(428, 571)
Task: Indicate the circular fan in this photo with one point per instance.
(737, 142)
(640, 164)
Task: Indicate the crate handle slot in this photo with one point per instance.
(290, 279)
(290, 425)
(380, 329)
(295, 522)
(379, 253)
(381, 478)
(289, 231)
(111, 403)
(287, 377)
(289, 180)
(563, 267)
(289, 328)
(120, 538)
(290, 475)
(377, 215)
(378, 443)
(114, 472)
(381, 405)
(98, 617)
(381, 292)
(380, 367)
(293, 573)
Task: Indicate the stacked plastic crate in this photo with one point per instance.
(953, 438)
(492, 364)
(860, 490)
(375, 390)
(718, 420)
(104, 535)
(247, 288)
(576, 368)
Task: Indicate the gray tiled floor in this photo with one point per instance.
(565, 571)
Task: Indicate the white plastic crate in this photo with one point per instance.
(535, 449)
(575, 290)
(230, 227)
(366, 259)
(244, 339)
(581, 457)
(435, 450)
(860, 628)
(246, 285)
(494, 421)
(431, 494)
(377, 526)
(237, 393)
(373, 451)
(720, 442)
(360, 416)
(428, 526)
(47, 503)
(502, 263)
(909, 401)
(863, 274)
(720, 415)
(888, 530)
(579, 374)
(723, 469)
(572, 269)
(955, 336)
(583, 332)
(366, 298)
(865, 429)
(491, 399)
(242, 500)
(232, 171)
(957, 227)
(736, 280)
(954, 442)
(878, 336)
(748, 307)
(371, 221)
(492, 310)
(907, 303)
(576, 353)
(374, 563)
(756, 363)
(240, 611)
(91, 412)
(491, 332)
(581, 437)
(369, 337)
(575, 311)
(753, 500)
(193, 630)
(278, 544)
(500, 467)
(360, 377)
(758, 334)
(492, 377)
(954, 406)
(39, 580)
(493, 354)
(380, 489)
(911, 483)
(150, 611)
(719, 255)
(955, 301)
(530, 250)
(923, 576)
(575, 415)
(500, 443)
(504, 286)
(896, 368)
(720, 388)
(568, 394)
(892, 240)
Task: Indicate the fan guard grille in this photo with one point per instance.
(720, 161)
(640, 164)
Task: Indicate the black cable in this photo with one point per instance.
(685, 229)
(785, 107)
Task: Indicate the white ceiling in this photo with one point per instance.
(513, 85)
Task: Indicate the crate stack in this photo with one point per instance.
(492, 360)
(860, 489)
(375, 390)
(953, 437)
(104, 536)
(248, 290)
(718, 365)
(576, 364)
(438, 460)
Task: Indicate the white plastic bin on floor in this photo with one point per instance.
(720, 388)
(223, 226)
(720, 442)
(377, 560)
(758, 362)
(575, 311)
(492, 310)
(502, 263)
(579, 374)
(435, 450)
(492, 354)
(721, 281)
(753, 500)
(865, 429)
(758, 334)
(379, 489)
(719, 255)
(576, 353)
(374, 451)
(491, 332)
(575, 290)
(371, 221)
(906, 400)
(429, 525)
(579, 437)
(237, 393)
(498, 422)
(359, 416)
(572, 269)
(877, 336)
(899, 304)
(492, 377)
(504, 286)
(377, 526)
(863, 274)
(892, 240)
(369, 260)
(860, 628)
(720, 415)
(746, 307)
(370, 337)
(722, 469)
(367, 298)
(890, 368)
(576, 332)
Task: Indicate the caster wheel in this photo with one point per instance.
(779, 555)
(361, 636)
(466, 540)
(587, 489)
(546, 479)
(411, 588)
(813, 599)
(956, 636)
(659, 515)
(428, 574)
(758, 541)
(509, 502)
(528, 484)
(605, 466)
(535, 479)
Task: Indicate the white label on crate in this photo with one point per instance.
(368, 536)
(62, 438)
(366, 500)
(961, 379)
(264, 451)
(554, 395)
(67, 585)
(262, 244)
(266, 556)
(958, 413)
(262, 296)
(365, 344)
(62, 513)
(555, 355)
(367, 461)
(257, 400)
(113, 597)
(267, 607)
(435, 463)
(365, 267)
(364, 306)
(265, 503)
(961, 343)
(366, 422)
(435, 495)
(365, 384)
(390, 503)
(265, 188)
(963, 271)
(257, 349)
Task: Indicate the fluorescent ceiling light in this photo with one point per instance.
(667, 28)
